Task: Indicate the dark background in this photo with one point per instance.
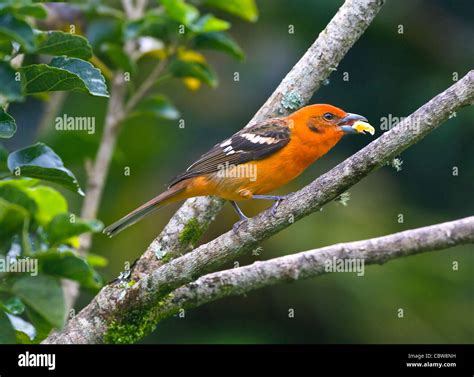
(389, 73)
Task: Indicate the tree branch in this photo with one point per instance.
(296, 89)
(146, 86)
(51, 108)
(98, 171)
(116, 111)
(97, 174)
(115, 308)
(308, 264)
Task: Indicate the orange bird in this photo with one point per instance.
(257, 160)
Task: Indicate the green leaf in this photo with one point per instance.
(41, 325)
(3, 159)
(200, 71)
(7, 333)
(153, 25)
(13, 306)
(96, 260)
(18, 30)
(10, 89)
(65, 226)
(15, 195)
(40, 161)
(179, 11)
(96, 9)
(63, 74)
(50, 203)
(44, 295)
(132, 29)
(245, 9)
(12, 218)
(23, 8)
(66, 264)
(158, 106)
(22, 337)
(103, 30)
(6, 48)
(219, 41)
(32, 10)
(209, 23)
(91, 76)
(7, 125)
(60, 43)
(25, 331)
(20, 183)
(118, 57)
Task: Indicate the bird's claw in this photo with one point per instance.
(274, 207)
(237, 225)
(277, 203)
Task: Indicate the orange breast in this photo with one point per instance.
(287, 164)
(266, 175)
(261, 176)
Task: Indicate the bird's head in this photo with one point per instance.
(327, 121)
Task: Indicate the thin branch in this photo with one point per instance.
(117, 305)
(146, 85)
(296, 89)
(116, 112)
(51, 109)
(141, 6)
(304, 265)
(99, 170)
(97, 174)
(128, 7)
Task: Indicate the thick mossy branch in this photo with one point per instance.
(191, 233)
(184, 229)
(137, 323)
(134, 327)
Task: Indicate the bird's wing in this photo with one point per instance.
(252, 143)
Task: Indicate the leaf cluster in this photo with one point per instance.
(78, 47)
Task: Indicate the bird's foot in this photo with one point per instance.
(242, 217)
(237, 225)
(277, 203)
(277, 198)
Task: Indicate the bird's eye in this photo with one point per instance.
(328, 116)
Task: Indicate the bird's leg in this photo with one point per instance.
(240, 213)
(278, 199)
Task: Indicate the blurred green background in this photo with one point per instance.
(389, 73)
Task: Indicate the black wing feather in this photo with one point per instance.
(252, 143)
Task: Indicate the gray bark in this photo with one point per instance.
(304, 265)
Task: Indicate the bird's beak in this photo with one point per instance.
(355, 124)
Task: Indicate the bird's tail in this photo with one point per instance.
(169, 196)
